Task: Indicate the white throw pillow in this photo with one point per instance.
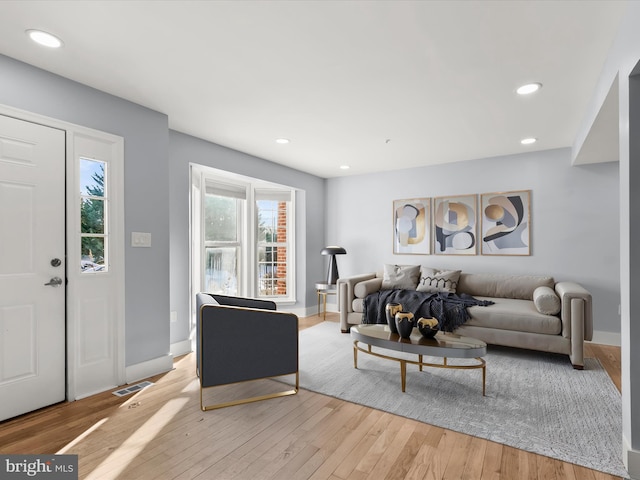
(546, 301)
(400, 277)
(438, 281)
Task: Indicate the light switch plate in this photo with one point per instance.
(140, 239)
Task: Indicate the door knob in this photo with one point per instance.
(54, 282)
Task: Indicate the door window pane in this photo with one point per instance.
(92, 178)
(92, 254)
(92, 215)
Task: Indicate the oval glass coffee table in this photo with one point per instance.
(443, 345)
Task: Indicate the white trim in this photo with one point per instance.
(631, 459)
(606, 338)
(90, 394)
(180, 348)
(299, 312)
(141, 371)
(71, 130)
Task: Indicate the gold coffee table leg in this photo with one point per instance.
(355, 357)
(484, 378)
(403, 374)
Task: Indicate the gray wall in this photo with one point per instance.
(146, 179)
(574, 220)
(185, 149)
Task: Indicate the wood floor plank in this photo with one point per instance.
(457, 461)
(404, 462)
(161, 433)
(383, 439)
(491, 462)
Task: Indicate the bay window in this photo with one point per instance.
(242, 236)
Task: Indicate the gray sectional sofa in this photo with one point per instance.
(532, 312)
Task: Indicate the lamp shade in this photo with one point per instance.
(333, 251)
(332, 274)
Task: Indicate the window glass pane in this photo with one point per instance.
(221, 270)
(267, 221)
(220, 219)
(91, 177)
(272, 274)
(92, 215)
(92, 254)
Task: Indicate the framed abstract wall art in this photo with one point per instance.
(506, 223)
(411, 220)
(455, 225)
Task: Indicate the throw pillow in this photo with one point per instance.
(434, 281)
(399, 277)
(546, 301)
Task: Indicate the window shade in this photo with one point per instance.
(274, 195)
(225, 190)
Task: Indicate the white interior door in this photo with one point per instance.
(32, 266)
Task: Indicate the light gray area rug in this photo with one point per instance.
(535, 401)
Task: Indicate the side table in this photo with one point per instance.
(323, 289)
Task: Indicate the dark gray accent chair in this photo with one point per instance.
(241, 340)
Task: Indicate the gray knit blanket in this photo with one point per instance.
(449, 308)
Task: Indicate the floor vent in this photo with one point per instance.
(132, 389)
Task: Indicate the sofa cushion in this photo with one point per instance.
(438, 281)
(546, 301)
(358, 305)
(513, 314)
(362, 289)
(399, 277)
(502, 286)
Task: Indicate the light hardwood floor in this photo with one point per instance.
(161, 433)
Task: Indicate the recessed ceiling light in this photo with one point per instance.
(344, 167)
(282, 141)
(529, 88)
(44, 38)
(528, 141)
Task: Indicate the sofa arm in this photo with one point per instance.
(577, 318)
(569, 291)
(346, 296)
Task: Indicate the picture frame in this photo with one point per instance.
(455, 225)
(506, 223)
(411, 226)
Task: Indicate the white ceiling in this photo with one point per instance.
(376, 85)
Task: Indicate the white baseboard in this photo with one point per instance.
(180, 348)
(300, 312)
(147, 369)
(606, 338)
(631, 459)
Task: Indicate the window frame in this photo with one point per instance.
(259, 195)
(105, 215)
(238, 243)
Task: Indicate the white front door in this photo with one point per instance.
(32, 266)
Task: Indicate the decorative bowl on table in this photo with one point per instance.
(428, 327)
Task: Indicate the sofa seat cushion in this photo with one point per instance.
(513, 314)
